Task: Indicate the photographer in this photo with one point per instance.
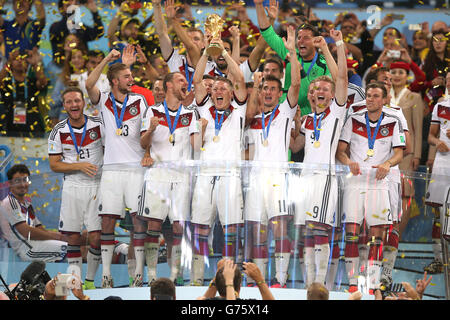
(52, 292)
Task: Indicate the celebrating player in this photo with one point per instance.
(75, 148)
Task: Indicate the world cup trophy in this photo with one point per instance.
(213, 26)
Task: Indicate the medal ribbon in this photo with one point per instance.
(122, 113)
(72, 134)
(169, 122)
(218, 125)
(313, 62)
(263, 123)
(188, 78)
(317, 127)
(371, 138)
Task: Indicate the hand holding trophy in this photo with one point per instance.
(213, 26)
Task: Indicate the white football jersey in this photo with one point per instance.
(354, 94)
(394, 111)
(389, 136)
(177, 63)
(229, 144)
(162, 149)
(211, 69)
(102, 84)
(441, 116)
(330, 130)
(126, 147)
(60, 142)
(277, 148)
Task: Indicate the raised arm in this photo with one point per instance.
(263, 19)
(192, 49)
(197, 80)
(161, 30)
(253, 105)
(294, 89)
(92, 90)
(342, 76)
(320, 43)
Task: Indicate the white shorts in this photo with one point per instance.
(371, 205)
(438, 184)
(445, 214)
(321, 205)
(267, 196)
(120, 190)
(395, 200)
(43, 250)
(298, 195)
(165, 193)
(217, 193)
(79, 207)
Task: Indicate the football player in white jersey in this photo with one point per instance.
(377, 141)
(22, 228)
(166, 129)
(217, 137)
(317, 208)
(390, 245)
(75, 148)
(122, 178)
(438, 190)
(269, 135)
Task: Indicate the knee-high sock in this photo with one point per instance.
(333, 267)
(261, 257)
(151, 253)
(351, 257)
(230, 245)
(363, 249)
(375, 262)
(436, 237)
(201, 251)
(310, 260)
(175, 256)
(94, 257)
(301, 260)
(390, 250)
(107, 247)
(282, 257)
(74, 259)
(321, 254)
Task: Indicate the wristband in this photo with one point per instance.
(260, 282)
(229, 285)
(339, 43)
(212, 284)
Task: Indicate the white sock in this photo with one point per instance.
(175, 261)
(93, 261)
(107, 254)
(351, 266)
(198, 269)
(281, 266)
(322, 256)
(389, 256)
(151, 257)
(310, 265)
(131, 263)
(331, 274)
(363, 258)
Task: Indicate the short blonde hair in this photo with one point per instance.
(325, 79)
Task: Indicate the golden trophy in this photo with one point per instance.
(213, 26)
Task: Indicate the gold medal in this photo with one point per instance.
(119, 132)
(216, 139)
(370, 153)
(78, 157)
(266, 143)
(171, 139)
(316, 144)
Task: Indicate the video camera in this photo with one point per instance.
(32, 283)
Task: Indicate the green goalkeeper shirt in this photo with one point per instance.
(319, 69)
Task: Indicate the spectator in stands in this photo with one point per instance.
(435, 67)
(23, 32)
(160, 65)
(59, 30)
(420, 47)
(71, 75)
(22, 85)
(236, 15)
(163, 289)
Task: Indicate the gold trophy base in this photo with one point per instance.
(214, 50)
